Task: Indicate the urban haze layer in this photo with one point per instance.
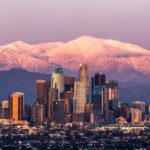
(74, 114)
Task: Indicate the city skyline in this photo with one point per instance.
(75, 74)
(63, 105)
(62, 100)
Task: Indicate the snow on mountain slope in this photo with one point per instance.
(122, 61)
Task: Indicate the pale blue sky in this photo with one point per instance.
(36, 21)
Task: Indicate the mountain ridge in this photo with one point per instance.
(124, 61)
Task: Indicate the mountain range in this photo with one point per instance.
(121, 61)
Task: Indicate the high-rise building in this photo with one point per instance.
(68, 109)
(68, 98)
(99, 79)
(37, 113)
(124, 110)
(53, 96)
(46, 91)
(113, 94)
(138, 105)
(16, 106)
(58, 111)
(111, 103)
(98, 96)
(136, 116)
(68, 105)
(57, 81)
(98, 100)
(81, 93)
(27, 111)
(5, 109)
(69, 83)
(40, 90)
(89, 117)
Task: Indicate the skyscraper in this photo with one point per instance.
(68, 98)
(111, 103)
(98, 100)
(57, 81)
(40, 90)
(58, 111)
(37, 113)
(99, 79)
(112, 94)
(81, 91)
(53, 96)
(5, 109)
(98, 96)
(16, 105)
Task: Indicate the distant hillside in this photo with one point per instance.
(19, 80)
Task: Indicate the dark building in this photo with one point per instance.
(98, 100)
(125, 110)
(27, 111)
(68, 98)
(58, 112)
(68, 109)
(69, 83)
(52, 96)
(99, 79)
(89, 113)
(98, 96)
(5, 109)
(37, 113)
(40, 91)
(46, 91)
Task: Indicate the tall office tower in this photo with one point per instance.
(83, 77)
(68, 98)
(5, 109)
(138, 105)
(58, 111)
(47, 87)
(111, 104)
(113, 94)
(89, 112)
(52, 96)
(27, 111)
(99, 79)
(98, 96)
(68, 109)
(81, 92)
(16, 105)
(136, 116)
(57, 81)
(40, 90)
(98, 100)
(37, 113)
(69, 83)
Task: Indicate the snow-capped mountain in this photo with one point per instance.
(120, 61)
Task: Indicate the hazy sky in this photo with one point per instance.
(35, 21)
